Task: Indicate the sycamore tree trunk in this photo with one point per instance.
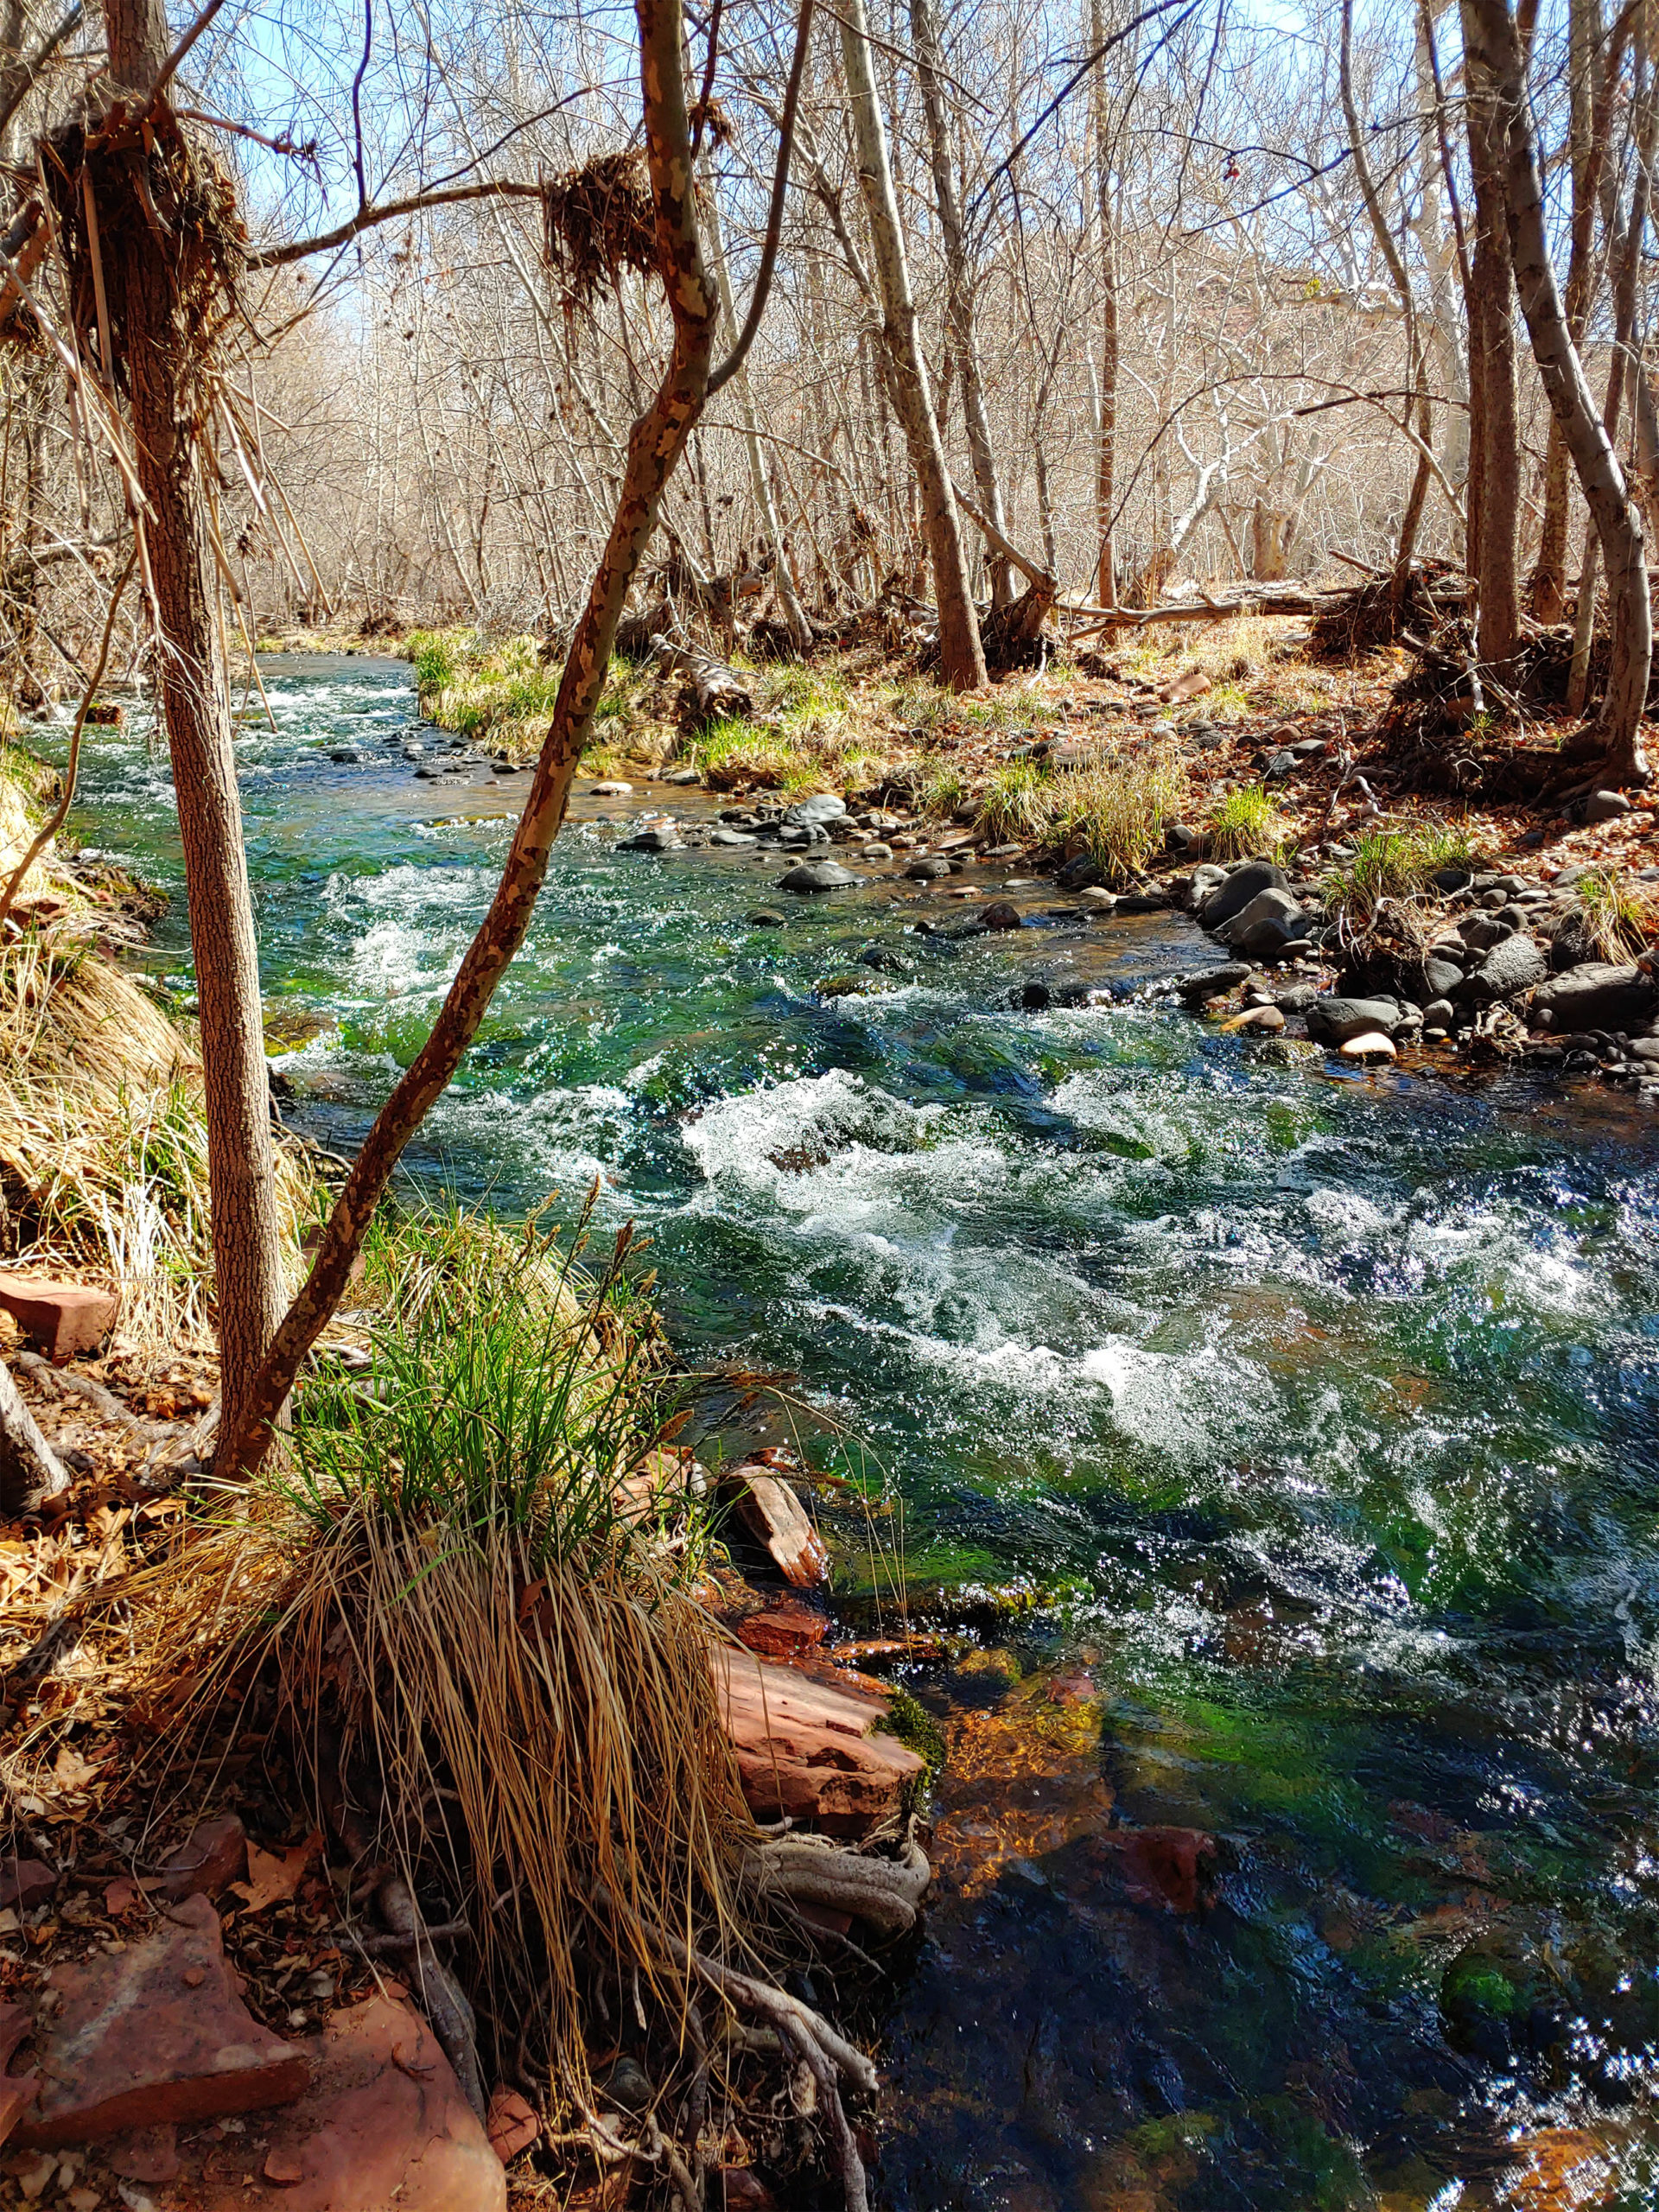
(1106, 402)
(961, 658)
(152, 349)
(1495, 49)
(655, 444)
(1495, 463)
(962, 334)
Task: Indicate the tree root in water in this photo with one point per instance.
(811, 1869)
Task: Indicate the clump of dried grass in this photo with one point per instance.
(1117, 808)
(500, 1661)
(598, 220)
(103, 1145)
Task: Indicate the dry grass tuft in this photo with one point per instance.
(464, 1631)
(103, 1146)
(597, 221)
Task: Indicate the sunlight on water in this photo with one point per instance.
(1321, 1413)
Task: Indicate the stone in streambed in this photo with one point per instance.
(1335, 1019)
(1441, 976)
(1003, 915)
(809, 1749)
(1169, 1867)
(1231, 897)
(1214, 983)
(663, 838)
(1267, 1018)
(156, 2034)
(1597, 994)
(1515, 965)
(813, 813)
(769, 1509)
(928, 869)
(733, 838)
(612, 791)
(1368, 1045)
(784, 1629)
(816, 875)
(765, 917)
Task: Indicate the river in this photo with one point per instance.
(1281, 1442)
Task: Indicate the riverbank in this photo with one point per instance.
(1373, 915)
(1266, 1433)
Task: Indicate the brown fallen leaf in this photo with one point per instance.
(274, 1876)
(73, 1771)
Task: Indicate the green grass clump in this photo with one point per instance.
(494, 688)
(1017, 802)
(1117, 809)
(1242, 823)
(1620, 924)
(1391, 864)
(507, 1385)
(940, 788)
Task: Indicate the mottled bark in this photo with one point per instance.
(962, 659)
(153, 347)
(1495, 51)
(655, 444)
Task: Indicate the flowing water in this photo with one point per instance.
(1283, 1444)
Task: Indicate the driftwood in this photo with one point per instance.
(29, 1469)
(713, 690)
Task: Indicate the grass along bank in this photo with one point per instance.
(1233, 731)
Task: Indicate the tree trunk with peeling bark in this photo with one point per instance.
(962, 659)
(152, 349)
(655, 444)
(1495, 49)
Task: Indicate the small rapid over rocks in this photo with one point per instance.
(1278, 1443)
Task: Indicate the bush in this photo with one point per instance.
(1119, 808)
(1242, 823)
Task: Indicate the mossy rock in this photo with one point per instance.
(915, 1728)
(1499, 1997)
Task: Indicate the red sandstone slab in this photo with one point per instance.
(62, 1317)
(809, 1749)
(154, 2034)
(383, 2124)
(782, 1629)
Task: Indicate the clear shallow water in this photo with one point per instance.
(1324, 1413)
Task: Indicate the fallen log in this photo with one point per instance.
(29, 1470)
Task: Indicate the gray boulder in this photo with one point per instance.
(1514, 966)
(1335, 1019)
(813, 813)
(1597, 995)
(1441, 976)
(1213, 982)
(816, 875)
(653, 841)
(929, 869)
(732, 837)
(1276, 906)
(1233, 896)
(1606, 806)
